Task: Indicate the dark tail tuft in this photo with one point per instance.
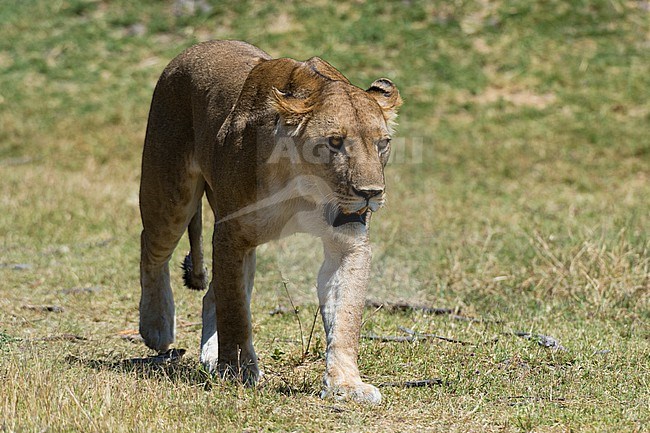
(189, 280)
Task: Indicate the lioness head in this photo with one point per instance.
(343, 136)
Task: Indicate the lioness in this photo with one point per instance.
(278, 146)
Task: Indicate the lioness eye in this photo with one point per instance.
(335, 143)
(382, 145)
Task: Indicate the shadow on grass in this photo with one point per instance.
(154, 367)
(290, 390)
(170, 367)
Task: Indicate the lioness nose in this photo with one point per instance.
(368, 192)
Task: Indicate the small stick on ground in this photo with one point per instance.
(452, 313)
(44, 308)
(311, 332)
(413, 383)
(414, 336)
(439, 337)
(405, 306)
(295, 311)
(390, 338)
(60, 337)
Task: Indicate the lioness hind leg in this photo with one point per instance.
(171, 187)
(157, 315)
(164, 222)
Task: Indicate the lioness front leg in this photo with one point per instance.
(342, 283)
(226, 312)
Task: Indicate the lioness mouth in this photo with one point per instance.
(355, 217)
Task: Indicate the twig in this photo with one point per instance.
(44, 308)
(452, 313)
(80, 406)
(405, 306)
(413, 383)
(311, 332)
(390, 338)
(413, 336)
(61, 337)
(518, 400)
(439, 337)
(473, 319)
(295, 311)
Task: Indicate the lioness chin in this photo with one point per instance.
(278, 146)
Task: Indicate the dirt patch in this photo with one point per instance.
(282, 23)
(514, 96)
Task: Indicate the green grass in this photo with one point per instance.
(528, 208)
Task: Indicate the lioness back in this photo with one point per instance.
(199, 87)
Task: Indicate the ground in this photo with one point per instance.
(518, 199)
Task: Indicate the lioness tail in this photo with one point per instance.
(193, 270)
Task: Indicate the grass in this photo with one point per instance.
(527, 207)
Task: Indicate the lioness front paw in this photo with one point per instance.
(358, 391)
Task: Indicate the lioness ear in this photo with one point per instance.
(387, 96)
(292, 110)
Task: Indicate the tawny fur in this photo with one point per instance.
(254, 135)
